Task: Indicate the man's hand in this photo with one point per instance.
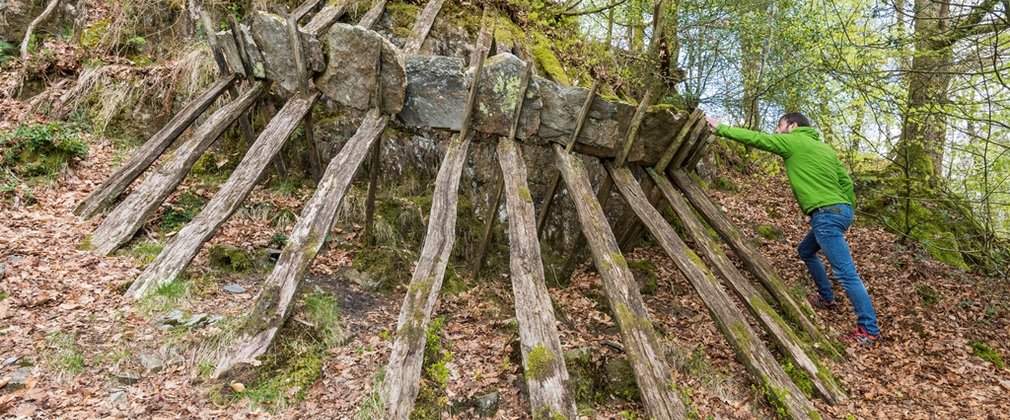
(712, 122)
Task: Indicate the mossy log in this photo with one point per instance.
(546, 374)
(271, 307)
(750, 351)
(404, 369)
(795, 309)
(176, 256)
(791, 345)
(109, 190)
(641, 343)
(123, 221)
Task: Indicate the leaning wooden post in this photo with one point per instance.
(546, 373)
(492, 218)
(794, 309)
(108, 191)
(780, 332)
(603, 195)
(750, 351)
(417, 36)
(304, 9)
(179, 252)
(399, 390)
(545, 209)
(641, 344)
(245, 127)
(302, 72)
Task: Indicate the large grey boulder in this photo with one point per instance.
(436, 92)
(351, 77)
(562, 104)
(270, 32)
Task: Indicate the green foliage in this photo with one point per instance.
(645, 273)
(984, 352)
(143, 252)
(927, 294)
(231, 258)
(8, 52)
(63, 353)
(186, 207)
(37, 150)
(800, 378)
(278, 240)
(431, 398)
(322, 310)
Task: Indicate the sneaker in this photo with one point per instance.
(821, 304)
(860, 336)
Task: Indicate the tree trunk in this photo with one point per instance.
(183, 247)
(796, 310)
(404, 370)
(122, 222)
(771, 321)
(641, 344)
(271, 307)
(149, 152)
(546, 374)
(764, 370)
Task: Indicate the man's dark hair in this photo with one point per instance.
(795, 117)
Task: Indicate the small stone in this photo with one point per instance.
(17, 378)
(152, 361)
(487, 404)
(273, 255)
(127, 378)
(196, 321)
(234, 288)
(238, 387)
(172, 318)
(117, 396)
(11, 360)
(357, 277)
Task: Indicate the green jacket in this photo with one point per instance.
(815, 174)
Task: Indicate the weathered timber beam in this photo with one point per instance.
(492, 218)
(109, 190)
(689, 144)
(641, 344)
(368, 20)
(783, 335)
(699, 152)
(399, 390)
(304, 242)
(326, 17)
(413, 44)
(545, 209)
(795, 309)
(543, 359)
(176, 256)
(123, 221)
(750, 351)
(304, 9)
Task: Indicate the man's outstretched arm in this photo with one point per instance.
(775, 143)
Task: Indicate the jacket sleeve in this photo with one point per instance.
(845, 182)
(775, 143)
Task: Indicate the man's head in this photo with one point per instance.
(790, 121)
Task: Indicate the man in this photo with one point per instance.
(824, 192)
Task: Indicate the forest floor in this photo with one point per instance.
(82, 350)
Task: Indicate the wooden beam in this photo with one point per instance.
(632, 134)
(699, 152)
(304, 9)
(795, 309)
(176, 256)
(123, 221)
(546, 374)
(689, 143)
(641, 344)
(781, 333)
(109, 190)
(750, 351)
(373, 14)
(403, 372)
(304, 242)
(478, 262)
(326, 17)
(579, 123)
(696, 116)
(421, 27)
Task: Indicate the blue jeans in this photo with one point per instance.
(827, 233)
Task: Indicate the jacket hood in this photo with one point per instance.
(807, 131)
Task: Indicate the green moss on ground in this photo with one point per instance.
(620, 379)
(432, 398)
(984, 352)
(540, 362)
(176, 215)
(645, 273)
(230, 258)
(927, 294)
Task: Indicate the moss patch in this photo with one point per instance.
(546, 60)
(540, 362)
(174, 216)
(984, 352)
(230, 258)
(927, 294)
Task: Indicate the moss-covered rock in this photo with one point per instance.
(230, 258)
(584, 377)
(620, 379)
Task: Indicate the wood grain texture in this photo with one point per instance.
(750, 351)
(304, 242)
(421, 27)
(776, 327)
(176, 256)
(123, 221)
(109, 190)
(794, 309)
(326, 17)
(641, 344)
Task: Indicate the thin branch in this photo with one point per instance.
(31, 27)
(595, 10)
